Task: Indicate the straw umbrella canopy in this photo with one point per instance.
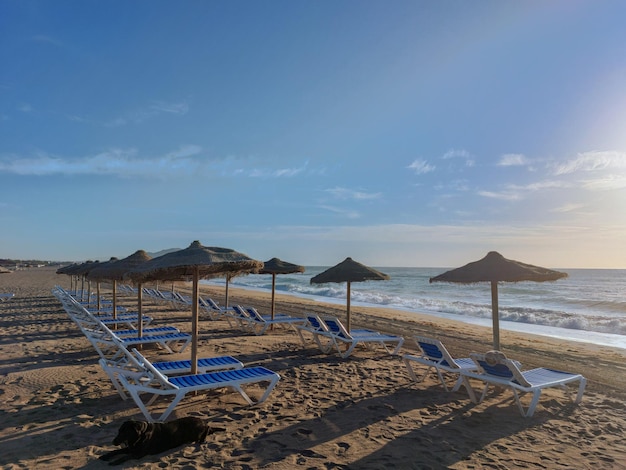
(196, 262)
(349, 271)
(495, 268)
(276, 266)
(67, 269)
(91, 278)
(115, 272)
(81, 270)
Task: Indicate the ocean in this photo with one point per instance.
(589, 305)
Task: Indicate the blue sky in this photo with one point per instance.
(404, 133)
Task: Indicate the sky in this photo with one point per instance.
(403, 133)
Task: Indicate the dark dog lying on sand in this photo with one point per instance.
(141, 438)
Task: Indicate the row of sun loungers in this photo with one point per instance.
(135, 376)
(492, 369)
(330, 334)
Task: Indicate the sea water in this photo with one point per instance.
(589, 305)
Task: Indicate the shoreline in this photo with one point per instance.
(60, 411)
(565, 334)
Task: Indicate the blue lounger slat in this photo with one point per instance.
(206, 363)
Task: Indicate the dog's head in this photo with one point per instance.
(131, 433)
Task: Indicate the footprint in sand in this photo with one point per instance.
(342, 448)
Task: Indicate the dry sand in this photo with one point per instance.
(59, 410)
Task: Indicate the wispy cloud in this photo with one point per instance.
(501, 195)
(348, 213)
(592, 161)
(569, 208)
(459, 153)
(541, 185)
(513, 159)
(25, 108)
(607, 183)
(114, 162)
(272, 173)
(155, 109)
(349, 194)
(42, 38)
(421, 167)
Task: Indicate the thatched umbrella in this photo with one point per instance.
(349, 271)
(90, 278)
(81, 270)
(276, 266)
(115, 272)
(496, 268)
(196, 262)
(68, 271)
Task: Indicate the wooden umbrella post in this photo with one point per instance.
(348, 309)
(495, 315)
(194, 322)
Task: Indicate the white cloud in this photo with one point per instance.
(173, 108)
(513, 159)
(503, 195)
(592, 161)
(344, 193)
(569, 208)
(348, 213)
(25, 108)
(46, 39)
(421, 167)
(540, 185)
(459, 153)
(269, 173)
(159, 107)
(607, 183)
(114, 162)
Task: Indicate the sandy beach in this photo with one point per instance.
(59, 410)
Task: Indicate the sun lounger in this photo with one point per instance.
(434, 355)
(497, 370)
(133, 364)
(6, 296)
(154, 384)
(260, 323)
(240, 316)
(318, 330)
(339, 334)
(212, 308)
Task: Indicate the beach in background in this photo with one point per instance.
(59, 409)
(589, 305)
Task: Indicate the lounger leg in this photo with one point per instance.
(348, 351)
(581, 390)
(399, 345)
(533, 404)
(411, 371)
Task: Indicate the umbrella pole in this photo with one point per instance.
(273, 293)
(98, 294)
(226, 299)
(139, 309)
(348, 309)
(495, 315)
(114, 299)
(194, 323)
